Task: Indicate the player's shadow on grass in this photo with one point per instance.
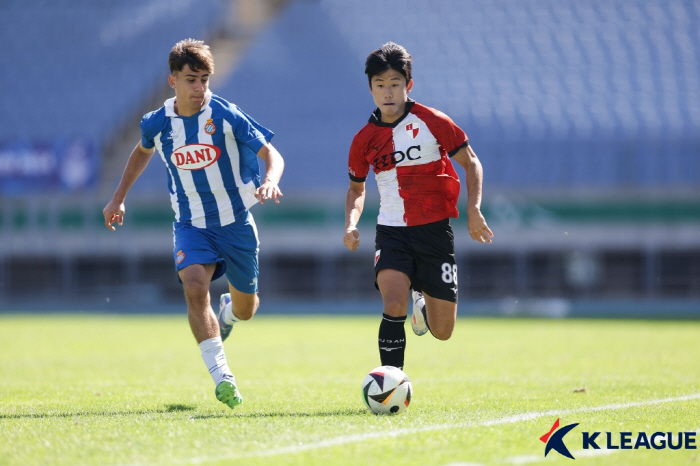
(174, 408)
(292, 414)
(179, 407)
(170, 408)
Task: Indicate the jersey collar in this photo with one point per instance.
(170, 105)
(376, 116)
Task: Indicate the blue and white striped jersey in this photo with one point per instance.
(211, 159)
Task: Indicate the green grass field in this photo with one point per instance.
(127, 391)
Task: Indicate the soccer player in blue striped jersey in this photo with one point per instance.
(210, 148)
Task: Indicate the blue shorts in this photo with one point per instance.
(233, 248)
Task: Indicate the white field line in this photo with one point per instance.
(530, 459)
(462, 463)
(333, 442)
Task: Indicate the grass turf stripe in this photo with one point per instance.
(337, 441)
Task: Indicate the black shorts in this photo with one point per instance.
(426, 253)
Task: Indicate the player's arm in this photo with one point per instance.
(138, 160)
(274, 167)
(478, 229)
(354, 203)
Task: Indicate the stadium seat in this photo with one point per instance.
(552, 94)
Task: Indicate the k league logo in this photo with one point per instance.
(554, 439)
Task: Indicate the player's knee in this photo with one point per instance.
(195, 290)
(246, 309)
(394, 307)
(245, 313)
(442, 332)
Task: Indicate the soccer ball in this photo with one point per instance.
(387, 390)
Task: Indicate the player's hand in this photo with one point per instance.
(351, 238)
(113, 212)
(478, 229)
(268, 190)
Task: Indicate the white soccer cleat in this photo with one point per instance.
(419, 321)
(224, 328)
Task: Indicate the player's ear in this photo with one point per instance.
(171, 80)
(409, 86)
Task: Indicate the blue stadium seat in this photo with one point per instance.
(79, 68)
(552, 94)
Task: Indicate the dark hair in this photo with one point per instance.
(194, 53)
(389, 56)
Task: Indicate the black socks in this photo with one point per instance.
(392, 341)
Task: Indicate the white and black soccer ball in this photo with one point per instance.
(387, 390)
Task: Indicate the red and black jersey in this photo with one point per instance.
(416, 180)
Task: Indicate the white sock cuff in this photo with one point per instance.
(211, 345)
(229, 316)
(215, 359)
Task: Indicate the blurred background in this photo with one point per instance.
(585, 115)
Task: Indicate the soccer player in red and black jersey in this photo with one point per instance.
(409, 147)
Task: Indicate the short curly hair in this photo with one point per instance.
(194, 53)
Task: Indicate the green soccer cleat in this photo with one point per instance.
(227, 393)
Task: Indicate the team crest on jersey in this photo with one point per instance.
(210, 127)
(412, 129)
(180, 256)
(195, 156)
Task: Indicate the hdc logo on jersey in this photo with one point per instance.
(394, 158)
(412, 130)
(195, 156)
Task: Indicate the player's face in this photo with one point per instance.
(190, 88)
(390, 93)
